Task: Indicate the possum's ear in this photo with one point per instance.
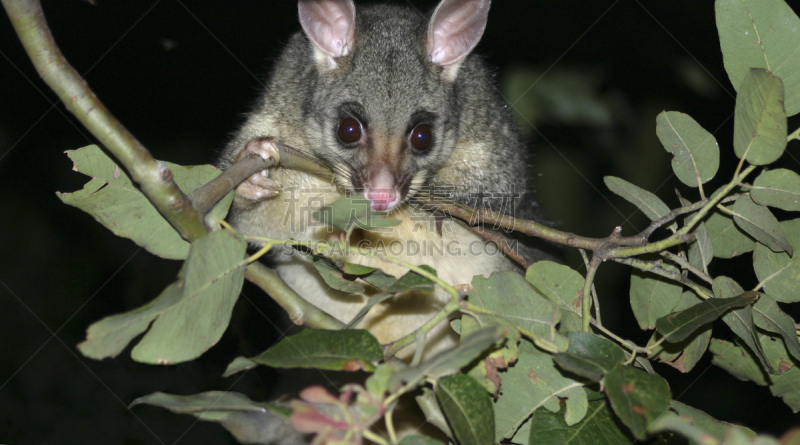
(455, 28)
(330, 25)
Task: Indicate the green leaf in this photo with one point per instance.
(653, 297)
(695, 151)
(786, 384)
(468, 408)
(777, 188)
(685, 354)
(759, 125)
(413, 281)
(586, 367)
(561, 285)
(432, 410)
(241, 416)
(637, 397)
(598, 428)
(680, 325)
(594, 346)
(761, 224)
(727, 239)
(651, 205)
(238, 365)
(350, 350)
(190, 315)
(778, 271)
(706, 423)
(741, 320)
(450, 361)
(768, 316)
(761, 34)
(354, 211)
(532, 383)
(739, 362)
(701, 250)
(371, 302)
(511, 297)
(334, 277)
(116, 203)
(589, 355)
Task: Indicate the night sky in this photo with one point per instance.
(180, 75)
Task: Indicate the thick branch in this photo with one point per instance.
(153, 177)
(300, 311)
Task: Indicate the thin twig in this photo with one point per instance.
(688, 266)
(655, 267)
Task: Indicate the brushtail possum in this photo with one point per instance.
(394, 103)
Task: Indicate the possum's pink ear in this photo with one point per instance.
(330, 25)
(455, 29)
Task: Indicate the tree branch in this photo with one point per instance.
(153, 177)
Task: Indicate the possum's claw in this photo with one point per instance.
(259, 186)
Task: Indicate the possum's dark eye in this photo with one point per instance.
(349, 130)
(421, 137)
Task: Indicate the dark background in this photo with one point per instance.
(179, 75)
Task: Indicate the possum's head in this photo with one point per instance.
(383, 112)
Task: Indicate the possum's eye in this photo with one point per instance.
(349, 130)
(421, 137)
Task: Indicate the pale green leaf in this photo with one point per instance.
(561, 285)
(468, 409)
(653, 297)
(739, 362)
(513, 298)
(115, 202)
(534, 382)
(768, 316)
(727, 239)
(651, 205)
(637, 397)
(759, 125)
(598, 428)
(350, 350)
(239, 364)
(335, 278)
(450, 361)
(680, 325)
(761, 224)
(777, 188)
(354, 211)
(706, 423)
(701, 250)
(780, 273)
(761, 34)
(695, 150)
(741, 320)
(190, 315)
(685, 354)
(241, 416)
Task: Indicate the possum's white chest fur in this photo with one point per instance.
(457, 255)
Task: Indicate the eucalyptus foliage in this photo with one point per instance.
(527, 369)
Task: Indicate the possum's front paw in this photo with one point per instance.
(259, 186)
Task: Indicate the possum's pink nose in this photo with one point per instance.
(381, 192)
(382, 199)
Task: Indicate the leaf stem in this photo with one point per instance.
(795, 135)
(586, 300)
(626, 343)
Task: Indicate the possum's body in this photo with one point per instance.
(401, 78)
